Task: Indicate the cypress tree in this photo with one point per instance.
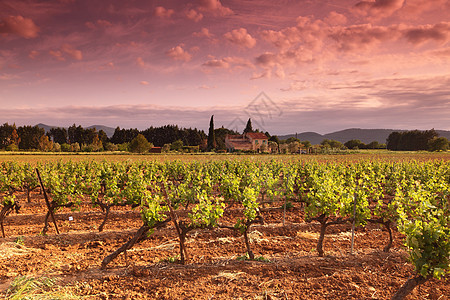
(248, 128)
(211, 136)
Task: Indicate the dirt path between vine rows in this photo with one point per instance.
(287, 267)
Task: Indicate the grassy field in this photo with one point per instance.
(42, 157)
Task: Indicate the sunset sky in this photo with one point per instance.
(291, 66)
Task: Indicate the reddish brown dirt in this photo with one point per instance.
(291, 268)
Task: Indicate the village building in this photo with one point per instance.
(249, 141)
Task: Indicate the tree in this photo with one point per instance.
(97, 144)
(248, 127)
(375, 145)
(45, 144)
(275, 139)
(8, 136)
(59, 135)
(220, 134)
(410, 140)
(139, 144)
(332, 144)
(438, 144)
(103, 137)
(273, 147)
(294, 146)
(306, 144)
(30, 137)
(211, 135)
(177, 145)
(354, 144)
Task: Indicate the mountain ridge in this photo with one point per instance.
(108, 130)
(364, 135)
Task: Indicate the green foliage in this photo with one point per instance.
(425, 221)
(139, 144)
(438, 144)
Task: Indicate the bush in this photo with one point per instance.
(139, 144)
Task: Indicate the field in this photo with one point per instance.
(287, 265)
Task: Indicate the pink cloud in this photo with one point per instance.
(421, 34)
(267, 59)
(379, 8)
(57, 54)
(72, 52)
(335, 18)
(308, 32)
(144, 82)
(217, 63)
(229, 62)
(240, 37)
(20, 26)
(140, 62)
(33, 54)
(214, 7)
(203, 33)
(363, 36)
(194, 15)
(66, 49)
(414, 7)
(98, 23)
(206, 87)
(163, 12)
(107, 66)
(178, 53)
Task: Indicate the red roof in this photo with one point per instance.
(257, 135)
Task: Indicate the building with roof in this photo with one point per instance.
(249, 141)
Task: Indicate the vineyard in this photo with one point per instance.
(225, 229)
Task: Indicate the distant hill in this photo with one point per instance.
(108, 130)
(364, 135)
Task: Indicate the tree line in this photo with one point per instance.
(416, 140)
(173, 138)
(76, 138)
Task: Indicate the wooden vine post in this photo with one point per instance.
(50, 210)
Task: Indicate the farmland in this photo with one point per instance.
(245, 227)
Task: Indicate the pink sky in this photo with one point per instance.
(323, 65)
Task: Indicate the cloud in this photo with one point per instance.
(178, 53)
(20, 26)
(379, 8)
(108, 66)
(214, 7)
(193, 15)
(72, 52)
(423, 33)
(57, 54)
(204, 32)
(335, 18)
(216, 63)
(8, 76)
(362, 36)
(144, 83)
(66, 50)
(140, 62)
(414, 7)
(441, 52)
(228, 62)
(240, 37)
(98, 23)
(33, 54)
(163, 12)
(206, 87)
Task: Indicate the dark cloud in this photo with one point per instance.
(439, 32)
